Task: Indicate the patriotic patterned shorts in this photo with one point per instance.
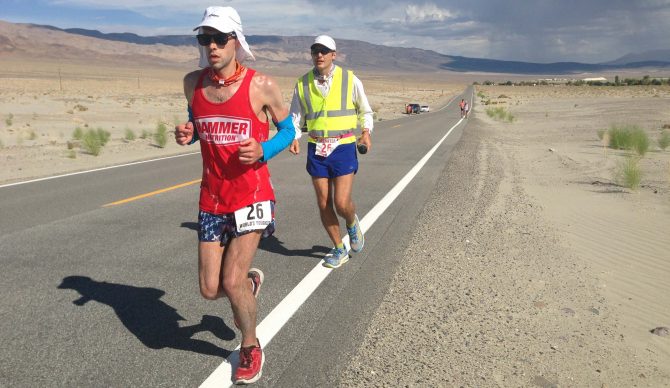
(222, 227)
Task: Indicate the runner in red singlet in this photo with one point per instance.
(229, 111)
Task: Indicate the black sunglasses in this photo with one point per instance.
(321, 50)
(221, 38)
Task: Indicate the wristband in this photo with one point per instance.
(195, 132)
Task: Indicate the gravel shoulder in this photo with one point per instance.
(491, 292)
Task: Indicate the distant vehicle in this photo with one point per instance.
(412, 108)
(425, 108)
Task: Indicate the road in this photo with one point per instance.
(106, 295)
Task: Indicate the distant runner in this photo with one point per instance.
(462, 106)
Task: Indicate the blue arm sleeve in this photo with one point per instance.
(281, 140)
(195, 132)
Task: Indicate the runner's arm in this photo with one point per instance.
(285, 130)
(195, 137)
(365, 113)
(185, 133)
(296, 113)
(282, 139)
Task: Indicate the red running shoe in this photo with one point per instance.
(251, 365)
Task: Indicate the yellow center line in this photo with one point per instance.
(152, 193)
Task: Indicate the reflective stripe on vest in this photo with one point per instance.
(334, 115)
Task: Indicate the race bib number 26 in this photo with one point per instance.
(254, 217)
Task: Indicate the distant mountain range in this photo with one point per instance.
(362, 55)
(647, 56)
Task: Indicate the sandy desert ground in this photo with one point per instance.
(42, 105)
(536, 269)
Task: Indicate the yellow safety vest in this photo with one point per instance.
(332, 116)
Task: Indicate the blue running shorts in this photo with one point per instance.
(222, 227)
(342, 161)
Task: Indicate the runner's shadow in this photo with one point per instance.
(190, 225)
(152, 321)
(274, 245)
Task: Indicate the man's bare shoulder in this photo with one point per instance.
(263, 81)
(192, 77)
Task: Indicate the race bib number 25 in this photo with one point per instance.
(254, 217)
(325, 146)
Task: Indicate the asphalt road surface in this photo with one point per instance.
(95, 294)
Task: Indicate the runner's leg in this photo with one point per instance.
(324, 198)
(237, 261)
(344, 205)
(210, 265)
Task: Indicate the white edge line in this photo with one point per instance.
(273, 322)
(97, 169)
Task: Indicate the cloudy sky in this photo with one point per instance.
(589, 31)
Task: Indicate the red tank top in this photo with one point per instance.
(228, 185)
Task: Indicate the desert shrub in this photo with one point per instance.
(130, 135)
(32, 135)
(72, 154)
(631, 138)
(664, 140)
(80, 108)
(91, 142)
(500, 113)
(495, 113)
(103, 135)
(160, 136)
(628, 172)
(640, 141)
(9, 120)
(481, 95)
(145, 134)
(78, 133)
(620, 138)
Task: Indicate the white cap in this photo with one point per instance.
(225, 19)
(325, 40)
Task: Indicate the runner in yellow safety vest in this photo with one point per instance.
(331, 103)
